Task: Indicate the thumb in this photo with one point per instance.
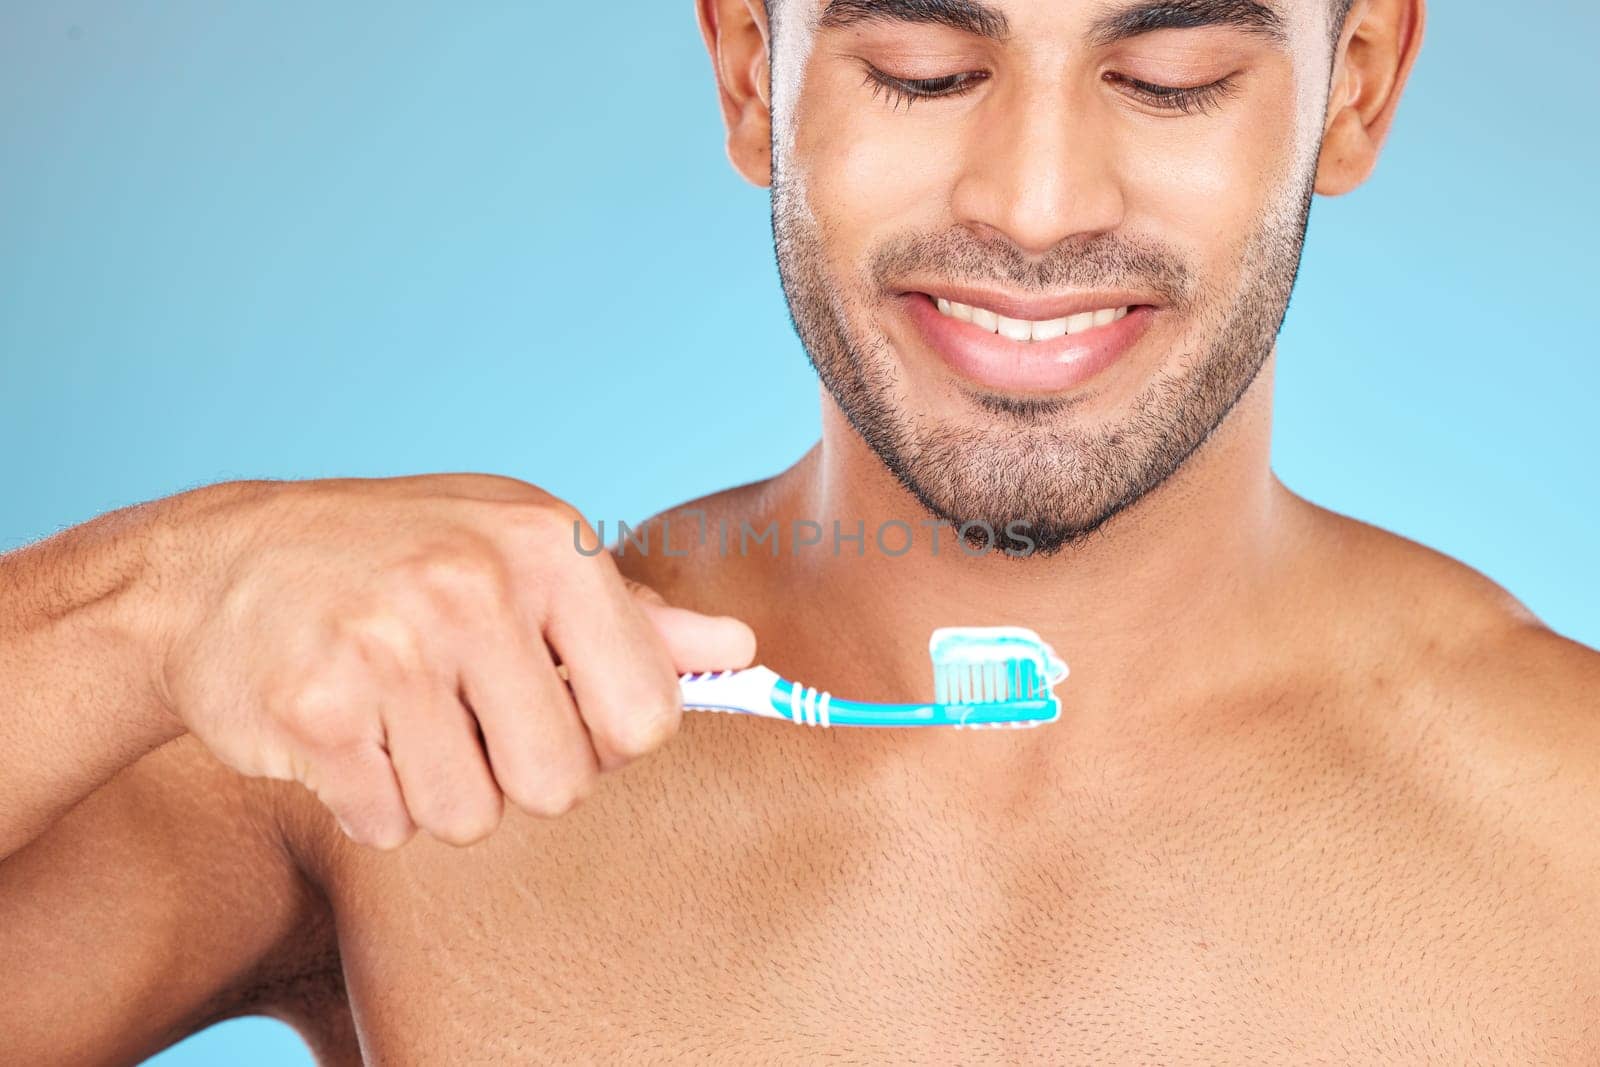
(696, 642)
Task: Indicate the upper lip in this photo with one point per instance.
(1037, 308)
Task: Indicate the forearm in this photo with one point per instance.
(80, 690)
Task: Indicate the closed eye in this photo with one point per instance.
(1184, 99)
(906, 90)
(1187, 99)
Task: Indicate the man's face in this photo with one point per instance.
(952, 180)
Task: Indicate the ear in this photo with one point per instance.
(1377, 48)
(738, 38)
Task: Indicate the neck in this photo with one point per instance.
(1176, 599)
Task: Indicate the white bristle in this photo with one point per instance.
(991, 665)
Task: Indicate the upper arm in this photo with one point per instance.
(164, 901)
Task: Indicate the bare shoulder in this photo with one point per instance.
(1532, 698)
(1519, 726)
(1425, 603)
(1508, 709)
(1410, 580)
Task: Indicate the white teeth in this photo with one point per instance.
(1024, 329)
(1049, 331)
(1016, 329)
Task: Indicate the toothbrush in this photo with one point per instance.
(983, 676)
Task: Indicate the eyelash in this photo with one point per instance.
(1188, 100)
(909, 90)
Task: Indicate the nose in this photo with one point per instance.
(1041, 168)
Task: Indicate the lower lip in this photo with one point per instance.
(1000, 363)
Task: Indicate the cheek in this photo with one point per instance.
(1206, 182)
(870, 172)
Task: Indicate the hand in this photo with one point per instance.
(393, 646)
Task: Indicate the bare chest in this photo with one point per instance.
(741, 914)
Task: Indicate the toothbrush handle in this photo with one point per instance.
(816, 708)
(746, 692)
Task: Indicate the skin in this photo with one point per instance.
(1320, 794)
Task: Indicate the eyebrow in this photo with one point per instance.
(981, 20)
(1141, 18)
(968, 16)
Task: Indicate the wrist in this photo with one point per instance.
(132, 627)
(186, 543)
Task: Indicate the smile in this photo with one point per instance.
(1025, 329)
(1044, 345)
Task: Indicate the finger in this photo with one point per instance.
(697, 642)
(539, 750)
(619, 669)
(357, 784)
(443, 773)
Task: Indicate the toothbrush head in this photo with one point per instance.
(990, 665)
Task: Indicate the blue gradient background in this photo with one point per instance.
(296, 240)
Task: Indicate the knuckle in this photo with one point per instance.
(385, 833)
(367, 818)
(315, 711)
(647, 727)
(643, 592)
(456, 818)
(469, 827)
(552, 800)
(384, 638)
(458, 573)
(540, 526)
(554, 792)
(433, 812)
(390, 834)
(495, 486)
